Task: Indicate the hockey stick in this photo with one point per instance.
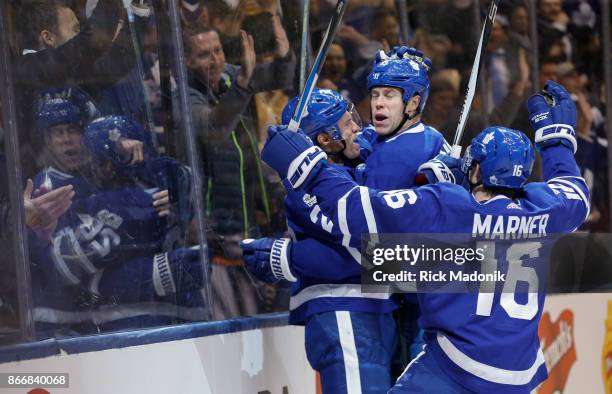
(304, 43)
(478, 59)
(309, 86)
(143, 11)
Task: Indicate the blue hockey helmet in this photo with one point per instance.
(406, 74)
(102, 134)
(505, 156)
(63, 106)
(324, 110)
(57, 111)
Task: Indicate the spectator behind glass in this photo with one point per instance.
(548, 71)
(227, 21)
(58, 52)
(519, 24)
(333, 76)
(385, 28)
(442, 101)
(504, 57)
(553, 29)
(591, 154)
(269, 104)
(361, 49)
(507, 110)
(584, 28)
(193, 12)
(437, 47)
(451, 23)
(220, 95)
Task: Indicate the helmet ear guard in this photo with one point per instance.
(322, 114)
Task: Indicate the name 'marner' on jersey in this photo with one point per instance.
(513, 362)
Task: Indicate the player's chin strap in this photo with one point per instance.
(405, 119)
(340, 155)
(474, 185)
(468, 175)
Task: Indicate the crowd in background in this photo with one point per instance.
(242, 59)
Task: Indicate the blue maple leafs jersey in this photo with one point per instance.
(487, 348)
(103, 228)
(329, 275)
(394, 161)
(333, 282)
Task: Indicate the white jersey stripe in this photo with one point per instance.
(349, 352)
(346, 236)
(421, 353)
(332, 290)
(488, 372)
(576, 189)
(367, 209)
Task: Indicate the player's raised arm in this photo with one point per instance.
(553, 117)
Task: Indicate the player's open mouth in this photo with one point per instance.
(379, 119)
(71, 154)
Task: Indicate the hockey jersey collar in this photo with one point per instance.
(494, 198)
(414, 129)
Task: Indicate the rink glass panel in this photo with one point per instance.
(242, 197)
(148, 265)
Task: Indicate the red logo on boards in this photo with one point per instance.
(557, 341)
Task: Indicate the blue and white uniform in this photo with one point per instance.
(492, 350)
(332, 297)
(347, 330)
(394, 161)
(384, 169)
(112, 261)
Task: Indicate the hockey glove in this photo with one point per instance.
(177, 269)
(364, 138)
(268, 259)
(444, 168)
(404, 52)
(292, 155)
(553, 117)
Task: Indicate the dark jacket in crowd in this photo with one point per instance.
(225, 124)
(78, 63)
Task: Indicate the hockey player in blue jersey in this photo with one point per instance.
(143, 275)
(399, 87)
(349, 336)
(60, 118)
(99, 226)
(464, 352)
(61, 261)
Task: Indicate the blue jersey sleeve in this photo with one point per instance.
(565, 189)
(306, 214)
(360, 210)
(313, 258)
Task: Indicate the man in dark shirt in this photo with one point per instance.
(220, 95)
(58, 52)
